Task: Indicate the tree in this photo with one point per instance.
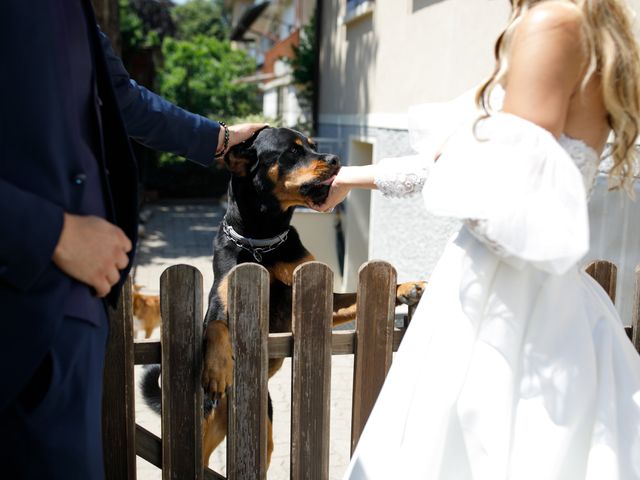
(202, 76)
(304, 60)
(201, 17)
(108, 19)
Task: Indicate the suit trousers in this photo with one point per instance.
(53, 429)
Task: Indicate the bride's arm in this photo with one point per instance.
(394, 177)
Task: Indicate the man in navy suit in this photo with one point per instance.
(68, 215)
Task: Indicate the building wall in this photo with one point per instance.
(416, 51)
(372, 69)
(396, 229)
(405, 52)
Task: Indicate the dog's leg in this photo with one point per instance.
(345, 304)
(214, 429)
(147, 332)
(269, 441)
(344, 308)
(274, 365)
(217, 369)
(409, 293)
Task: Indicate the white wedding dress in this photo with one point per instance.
(516, 365)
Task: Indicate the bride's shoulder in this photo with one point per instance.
(552, 15)
(553, 28)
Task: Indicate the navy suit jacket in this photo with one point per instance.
(66, 113)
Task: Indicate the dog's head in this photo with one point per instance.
(285, 163)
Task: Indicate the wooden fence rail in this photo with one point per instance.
(311, 345)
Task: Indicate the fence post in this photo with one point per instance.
(605, 273)
(311, 371)
(635, 315)
(248, 303)
(182, 415)
(374, 340)
(118, 400)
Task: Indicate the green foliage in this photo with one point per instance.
(201, 76)
(201, 17)
(199, 72)
(256, 118)
(303, 62)
(135, 36)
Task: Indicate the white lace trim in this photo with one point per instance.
(585, 158)
(401, 177)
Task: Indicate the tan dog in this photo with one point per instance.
(146, 312)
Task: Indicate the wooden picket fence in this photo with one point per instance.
(310, 345)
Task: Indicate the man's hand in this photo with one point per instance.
(238, 134)
(92, 251)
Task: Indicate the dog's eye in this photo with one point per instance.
(294, 149)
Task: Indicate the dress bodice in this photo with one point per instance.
(585, 158)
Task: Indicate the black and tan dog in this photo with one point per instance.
(272, 173)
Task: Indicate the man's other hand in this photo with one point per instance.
(92, 251)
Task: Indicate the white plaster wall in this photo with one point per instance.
(318, 234)
(406, 52)
(357, 216)
(270, 103)
(293, 114)
(373, 69)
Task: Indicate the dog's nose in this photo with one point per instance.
(332, 160)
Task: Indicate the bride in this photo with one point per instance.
(516, 365)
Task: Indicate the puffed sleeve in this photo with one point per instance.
(516, 189)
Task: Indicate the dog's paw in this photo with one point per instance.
(409, 293)
(217, 368)
(217, 375)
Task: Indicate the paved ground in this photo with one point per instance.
(183, 233)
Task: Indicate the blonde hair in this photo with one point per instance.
(614, 55)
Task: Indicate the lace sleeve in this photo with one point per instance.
(401, 176)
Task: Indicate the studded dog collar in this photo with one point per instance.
(256, 246)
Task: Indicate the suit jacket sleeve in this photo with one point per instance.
(157, 123)
(33, 228)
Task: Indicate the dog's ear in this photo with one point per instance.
(243, 157)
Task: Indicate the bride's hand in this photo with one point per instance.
(337, 193)
(346, 179)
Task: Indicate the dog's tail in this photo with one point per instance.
(150, 388)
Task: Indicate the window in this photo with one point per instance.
(352, 4)
(356, 9)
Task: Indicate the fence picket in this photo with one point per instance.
(181, 310)
(374, 340)
(118, 400)
(248, 303)
(311, 371)
(605, 273)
